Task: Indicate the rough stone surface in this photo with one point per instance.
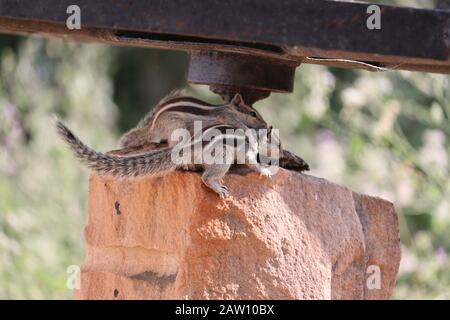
(290, 237)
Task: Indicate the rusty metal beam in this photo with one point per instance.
(291, 30)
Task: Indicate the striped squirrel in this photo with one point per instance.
(160, 161)
(177, 111)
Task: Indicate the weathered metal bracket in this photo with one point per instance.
(253, 77)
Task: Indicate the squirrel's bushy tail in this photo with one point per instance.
(153, 162)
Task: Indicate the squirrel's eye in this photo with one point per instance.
(253, 114)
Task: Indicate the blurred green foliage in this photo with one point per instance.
(384, 134)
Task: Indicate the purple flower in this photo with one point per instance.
(441, 255)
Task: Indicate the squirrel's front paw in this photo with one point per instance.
(265, 172)
(222, 191)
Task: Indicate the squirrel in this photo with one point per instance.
(178, 111)
(181, 112)
(160, 161)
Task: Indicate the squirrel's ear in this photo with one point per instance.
(237, 100)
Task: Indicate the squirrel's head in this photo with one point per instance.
(247, 114)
